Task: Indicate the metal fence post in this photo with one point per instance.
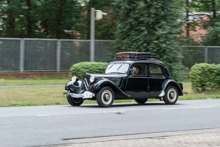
(92, 35)
(206, 54)
(22, 55)
(58, 54)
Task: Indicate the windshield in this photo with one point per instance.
(117, 68)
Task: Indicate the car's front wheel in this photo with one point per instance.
(141, 101)
(171, 95)
(74, 101)
(105, 97)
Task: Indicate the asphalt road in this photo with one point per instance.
(50, 125)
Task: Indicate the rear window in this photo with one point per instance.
(155, 70)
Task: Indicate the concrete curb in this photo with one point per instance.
(138, 136)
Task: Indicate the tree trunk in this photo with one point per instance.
(59, 30)
(213, 8)
(10, 26)
(187, 21)
(28, 19)
(88, 23)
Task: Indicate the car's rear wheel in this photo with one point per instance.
(171, 95)
(74, 101)
(105, 97)
(141, 101)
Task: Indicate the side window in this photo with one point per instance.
(141, 70)
(155, 70)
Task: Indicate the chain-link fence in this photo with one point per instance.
(59, 55)
(200, 54)
(192, 55)
(48, 54)
(10, 55)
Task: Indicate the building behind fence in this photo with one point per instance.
(19, 55)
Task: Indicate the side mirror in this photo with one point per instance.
(133, 69)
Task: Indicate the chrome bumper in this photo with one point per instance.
(185, 93)
(162, 93)
(84, 95)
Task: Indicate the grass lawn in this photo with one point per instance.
(33, 96)
(214, 94)
(5, 82)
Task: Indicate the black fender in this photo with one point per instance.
(172, 82)
(74, 87)
(68, 84)
(117, 91)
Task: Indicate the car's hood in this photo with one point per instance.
(116, 78)
(115, 75)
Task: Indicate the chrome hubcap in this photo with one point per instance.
(171, 94)
(106, 97)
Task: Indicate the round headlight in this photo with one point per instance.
(92, 79)
(74, 79)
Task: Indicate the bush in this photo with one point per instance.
(205, 76)
(80, 69)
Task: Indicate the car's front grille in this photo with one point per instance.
(85, 83)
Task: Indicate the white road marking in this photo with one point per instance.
(190, 108)
(122, 111)
(80, 113)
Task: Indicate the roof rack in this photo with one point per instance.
(134, 56)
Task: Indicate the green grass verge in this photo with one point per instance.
(5, 82)
(35, 96)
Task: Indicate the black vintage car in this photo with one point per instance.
(132, 75)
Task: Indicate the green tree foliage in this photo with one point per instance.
(59, 17)
(10, 11)
(54, 19)
(204, 5)
(39, 18)
(213, 37)
(19, 18)
(150, 26)
(212, 24)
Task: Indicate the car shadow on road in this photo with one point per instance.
(129, 105)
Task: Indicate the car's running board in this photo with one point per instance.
(185, 93)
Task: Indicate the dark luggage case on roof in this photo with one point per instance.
(134, 55)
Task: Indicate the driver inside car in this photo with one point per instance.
(137, 71)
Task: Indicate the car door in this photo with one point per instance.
(137, 85)
(156, 79)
